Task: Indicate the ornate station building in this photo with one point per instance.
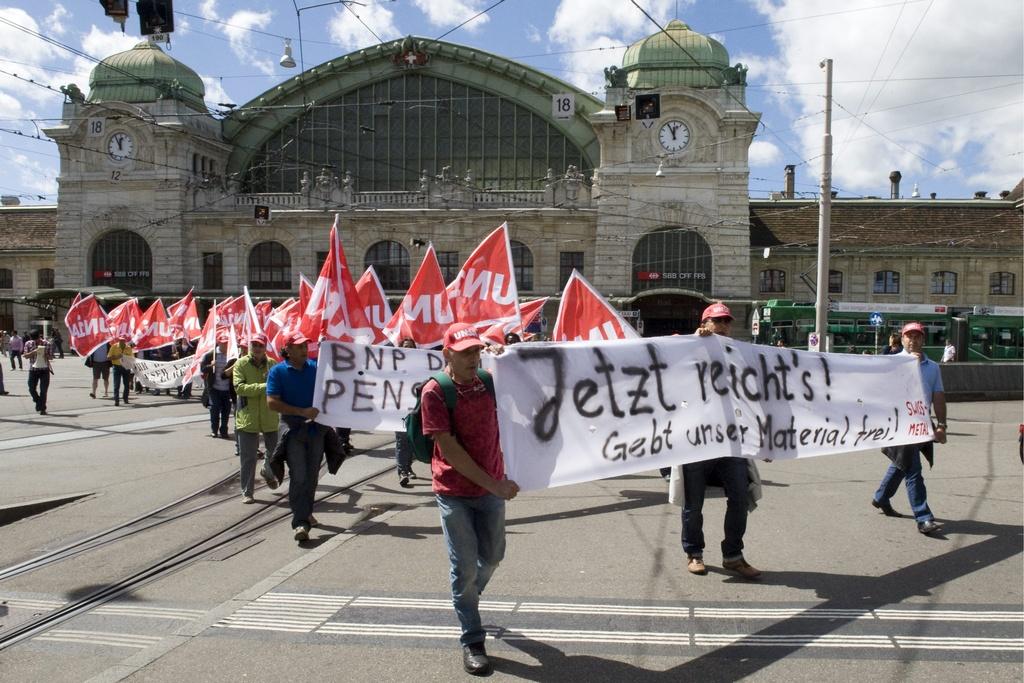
(416, 141)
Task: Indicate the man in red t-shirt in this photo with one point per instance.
(469, 484)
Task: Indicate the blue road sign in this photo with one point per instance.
(876, 319)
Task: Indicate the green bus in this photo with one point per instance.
(980, 334)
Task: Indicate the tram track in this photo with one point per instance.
(253, 522)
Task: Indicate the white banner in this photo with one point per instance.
(580, 411)
(370, 387)
(156, 374)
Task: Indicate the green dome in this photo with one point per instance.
(657, 60)
(145, 74)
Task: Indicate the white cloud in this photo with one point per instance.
(763, 152)
(32, 53)
(924, 125)
(451, 13)
(56, 23)
(215, 92)
(237, 27)
(533, 34)
(589, 24)
(100, 44)
(345, 28)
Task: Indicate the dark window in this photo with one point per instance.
(835, 282)
(270, 266)
(213, 270)
(386, 133)
(44, 278)
(6, 315)
(998, 283)
(122, 259)
(943, 282)
(887, 282)
(567, 261)
(6, 279)
(672, 258)
(522, 264)
(449, 262)
(391, 261)
(321, 256)
(772, 281)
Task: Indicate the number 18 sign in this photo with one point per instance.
(563, 105)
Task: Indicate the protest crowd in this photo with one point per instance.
(426, 372)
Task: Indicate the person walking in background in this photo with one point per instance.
(949, 352)
(14, 349)
(253, 415)
(217, 375)
(403, 449)
(40, 357)
(57, 342)
(894, 346)
(183, 349)
(100, 368)
(119, 350)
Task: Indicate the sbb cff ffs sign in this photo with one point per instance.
(649, 275)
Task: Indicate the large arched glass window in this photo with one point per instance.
(391, 261)
(943, 282)
(44, 278)
(389, 132)
(672, 258)
(270, 266)
(122, 259)
(522, 265)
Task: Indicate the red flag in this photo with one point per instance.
(263, 311)
(251, 323)
(78, 297)
(207, 343)
(530, 310)
(87, 326)
(184, 318)
(583, 314)
(484, 292)
(153, 330)
(280, 325)
(124, 319)
(231, 313)
(334, 311)
(425, 312)
(375, 304)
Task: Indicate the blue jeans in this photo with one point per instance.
(122, 378)
(474, 529)
(731, 473)
(403, 452)
(916, 491)
(305, 450)
(220, 410)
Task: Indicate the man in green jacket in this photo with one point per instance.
(253, 417)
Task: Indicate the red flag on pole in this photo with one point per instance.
(154, 330)
(231, 313)
(279, 326)
(184, 318)
(334, 311)
(87, 326)
(484, 292)
(530, 310)
(375, 304)
(207, 343)
(583, 314)
(251, 323)
(263, 311)
(425, 312)
(124, 319)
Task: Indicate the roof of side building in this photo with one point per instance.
(28, 228)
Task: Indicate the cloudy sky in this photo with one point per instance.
(930, 87)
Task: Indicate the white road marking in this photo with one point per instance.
(99, 638)
(77, 434)
(295, 612)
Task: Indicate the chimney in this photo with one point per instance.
(790, 190)
(916, 194)
(894, 180)
(10, 200)
(980, 194)
(1004, 194)
(932, 195)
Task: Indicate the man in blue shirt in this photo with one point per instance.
(290, 387)
(906, 460)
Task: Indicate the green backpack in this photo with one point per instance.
(423, 445)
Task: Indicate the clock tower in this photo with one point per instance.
(130, 160)
(672, 185)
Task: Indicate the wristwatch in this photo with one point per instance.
(940, 425)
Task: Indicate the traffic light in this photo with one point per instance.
(116, 10)
(155, 16)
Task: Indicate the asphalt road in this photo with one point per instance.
(593, 586)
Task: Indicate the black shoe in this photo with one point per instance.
(475, 660)
(43, 411)
(403, 479)
(928, 527)
(885, 508)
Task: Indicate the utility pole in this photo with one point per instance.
(824, 215)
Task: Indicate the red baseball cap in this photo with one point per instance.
(716, 310)
(296, 338)
(462, 336)
(259, 338)
(912, 327)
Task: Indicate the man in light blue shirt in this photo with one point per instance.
(906, 460)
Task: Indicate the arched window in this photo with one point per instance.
(270, 266)
(6, 278)
(391, 261)
(44, 278)
(672, 258)
(772, 281)
(943, 282)
(123, 259)
(887, 282)
(522, 264)
(998, 283)
(835, 282)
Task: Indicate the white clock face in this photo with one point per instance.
(121, 146)
(674, 136)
